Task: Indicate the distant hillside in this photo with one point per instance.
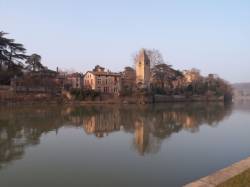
(241, 90)
(242, 86)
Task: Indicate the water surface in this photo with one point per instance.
(151, 145)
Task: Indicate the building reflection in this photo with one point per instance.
(21, 127)
(141, 136)
(102, 124)
(151, 124)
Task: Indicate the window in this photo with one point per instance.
(99, 80)
(105, 89)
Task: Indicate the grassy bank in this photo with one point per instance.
(241, 180)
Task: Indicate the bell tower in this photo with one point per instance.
(143, 69)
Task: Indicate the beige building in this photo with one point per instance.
(143, 69)
(103, 81)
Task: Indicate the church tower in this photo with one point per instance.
(143, 69)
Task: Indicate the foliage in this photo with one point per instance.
(34, 63)
(126, 91)
(163, 75)
(240, 180)
(10, 52)
(157, 90)
(80, 94)
(12, 56)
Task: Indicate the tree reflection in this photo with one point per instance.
(151, 124)
(22, 127)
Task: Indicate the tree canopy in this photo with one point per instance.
(12, 54)
(34, 62)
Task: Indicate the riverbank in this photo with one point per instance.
(30, 98)
(242, 179)
(220, 177)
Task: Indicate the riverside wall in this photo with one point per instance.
(9, 96)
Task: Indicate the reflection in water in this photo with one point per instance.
(23, 126)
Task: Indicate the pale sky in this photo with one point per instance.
(212, 35)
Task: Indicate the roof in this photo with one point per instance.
(97, 73)
(74, 75)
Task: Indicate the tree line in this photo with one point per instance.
(14, 61)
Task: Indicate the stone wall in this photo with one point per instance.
(8, 96)
(182, 98)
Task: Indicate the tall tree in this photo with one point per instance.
(4, 43)
(34, 62)
(11, 57)
(161, 73)
(11, 54)
(163, 77)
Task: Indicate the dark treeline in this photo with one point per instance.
(14, 61)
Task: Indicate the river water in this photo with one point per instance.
(146, 145)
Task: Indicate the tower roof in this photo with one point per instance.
(143, 56)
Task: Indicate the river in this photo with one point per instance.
(129, 145)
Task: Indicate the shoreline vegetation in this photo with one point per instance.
(116, 101)
(24, 79)
(240, 180)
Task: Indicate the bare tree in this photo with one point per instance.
(162, 75)
(154, 56)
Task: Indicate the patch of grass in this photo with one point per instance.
(241, 180)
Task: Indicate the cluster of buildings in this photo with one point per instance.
(106, 82)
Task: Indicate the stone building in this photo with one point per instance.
(74, 80)
(103, 81)
(143, 69)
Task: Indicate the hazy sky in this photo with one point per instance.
(212, 35)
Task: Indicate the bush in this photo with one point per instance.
(80, 94)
